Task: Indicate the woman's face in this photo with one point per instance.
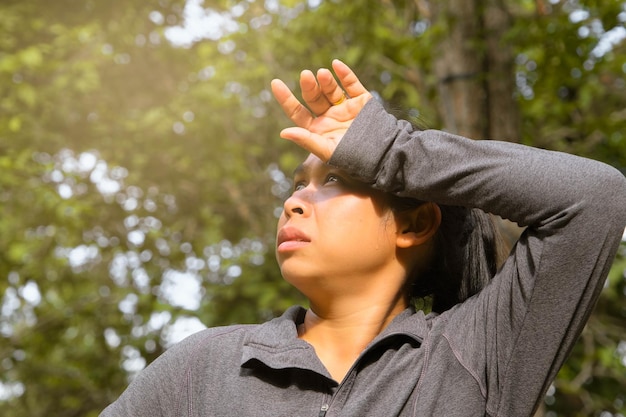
(333, 230)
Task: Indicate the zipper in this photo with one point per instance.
(326, 406)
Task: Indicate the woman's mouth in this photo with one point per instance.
(290, 238)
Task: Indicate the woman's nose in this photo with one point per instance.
(298, 204)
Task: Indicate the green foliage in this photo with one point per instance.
(129, 167)
(573, 92)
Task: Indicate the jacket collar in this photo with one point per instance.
(276, 345)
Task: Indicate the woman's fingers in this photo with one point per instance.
(314, 143)
(348, 79)
(312, 93)
(345, 85)
(329, 106)
(320, 92)
(332, 91)
(292, 107)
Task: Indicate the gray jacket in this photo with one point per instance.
(495, 354)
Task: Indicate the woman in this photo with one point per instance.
(381, 213)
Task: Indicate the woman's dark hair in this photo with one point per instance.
(467, 252)
(468, 249)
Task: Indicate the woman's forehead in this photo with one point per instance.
(310, 164)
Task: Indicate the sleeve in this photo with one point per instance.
(515, 334)
(157, 390)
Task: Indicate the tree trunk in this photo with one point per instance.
(475, 69)
(503, 110)
(458, 66)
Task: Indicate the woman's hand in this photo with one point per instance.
(332, 106)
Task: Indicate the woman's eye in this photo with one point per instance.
(329, 179)
(332, 178)
(299, 185)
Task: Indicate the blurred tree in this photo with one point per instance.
(141, 170)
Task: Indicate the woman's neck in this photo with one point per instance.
(340, 332)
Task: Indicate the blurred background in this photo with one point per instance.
(141, 172)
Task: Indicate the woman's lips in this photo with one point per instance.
(290, 238)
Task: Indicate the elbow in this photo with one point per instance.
(611, 199)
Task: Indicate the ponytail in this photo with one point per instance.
(465, 257)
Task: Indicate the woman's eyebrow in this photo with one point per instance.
(299, 170)
(302, 169)
(307, 169)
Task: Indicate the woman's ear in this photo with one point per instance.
(418, 225)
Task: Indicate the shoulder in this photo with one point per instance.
(222, 344)
(157, 389)
(215, 336)
(230, 340)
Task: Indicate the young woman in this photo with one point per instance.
(381, 213)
